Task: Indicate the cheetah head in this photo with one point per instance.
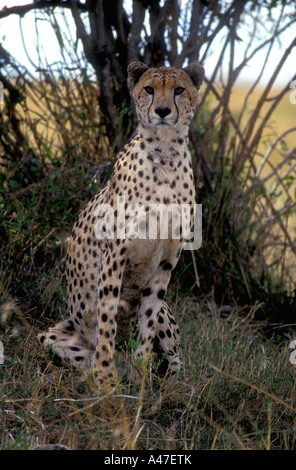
(165, 96)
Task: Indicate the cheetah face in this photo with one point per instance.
(165, 96)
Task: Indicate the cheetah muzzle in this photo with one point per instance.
(117, 284)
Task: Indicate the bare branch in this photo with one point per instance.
(39, 5)
(173, 32)
(272, 147)
(95, 51)
(250, 127)
(193, 34)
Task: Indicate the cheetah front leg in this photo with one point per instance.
(110, 281)
(167, 338)
(150, 305)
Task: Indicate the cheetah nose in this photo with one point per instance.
(162, 112)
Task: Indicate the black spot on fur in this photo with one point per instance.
(161, 293)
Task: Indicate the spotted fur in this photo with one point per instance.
(117, 285)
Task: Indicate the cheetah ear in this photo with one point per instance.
(135, 70)
(196, 72)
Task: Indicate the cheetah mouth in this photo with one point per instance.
(163, 123)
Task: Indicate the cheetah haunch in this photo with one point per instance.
(118, 283)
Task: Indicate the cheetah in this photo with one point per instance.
(117, 284)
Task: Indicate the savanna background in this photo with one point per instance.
(65, 113)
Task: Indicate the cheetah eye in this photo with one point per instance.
(179, 90)
(149, 90)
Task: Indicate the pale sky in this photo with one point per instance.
(10, 37)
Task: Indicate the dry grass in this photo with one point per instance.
(236, 392)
